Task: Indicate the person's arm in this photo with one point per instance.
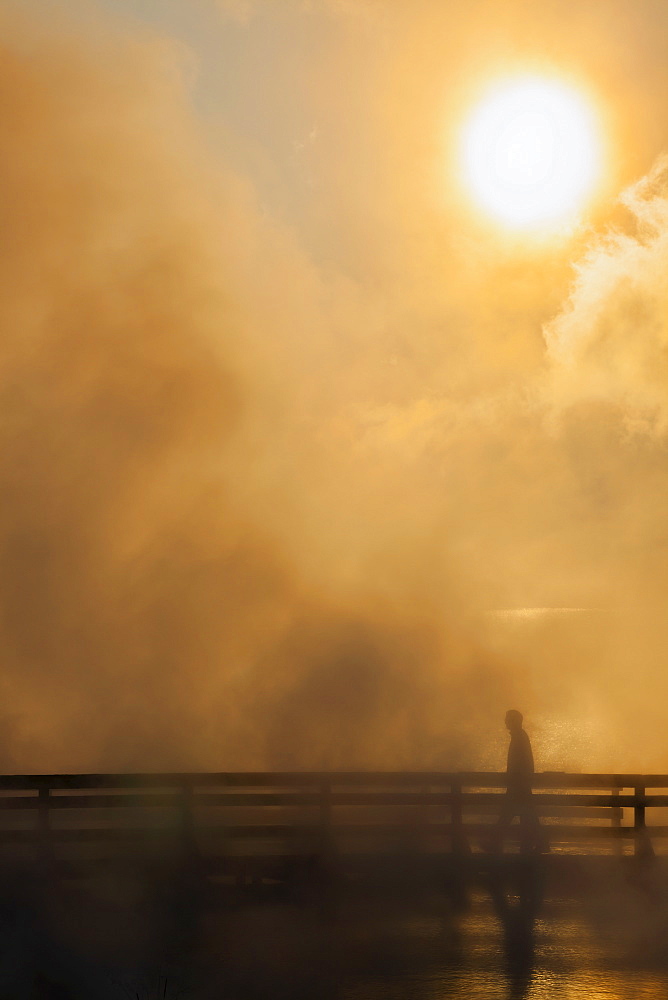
(529, 765)
(514, 765)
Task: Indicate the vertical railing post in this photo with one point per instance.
(459, 842)
(326, 845)
(643, 844)
(188, 841)
(44, 825)
(616, 822)
(325, 818)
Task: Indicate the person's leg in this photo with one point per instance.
(533, 838)
(528, 820)
(506, 815)
(540, 837)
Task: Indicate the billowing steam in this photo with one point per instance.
(261, 490)
(609, 344)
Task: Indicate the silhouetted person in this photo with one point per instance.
(518, 800)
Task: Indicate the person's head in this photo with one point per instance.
(514, 720)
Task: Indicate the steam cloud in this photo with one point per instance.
(609, 345)
(261, 490)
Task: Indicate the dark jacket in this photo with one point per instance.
(520, 768)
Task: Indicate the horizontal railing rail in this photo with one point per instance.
(269, 779)
(300, 808)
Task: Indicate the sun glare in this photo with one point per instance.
(530, 152)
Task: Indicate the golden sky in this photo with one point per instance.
(288, 412)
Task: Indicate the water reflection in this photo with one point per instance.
(517, 932)
(527, 937)
(517, 898)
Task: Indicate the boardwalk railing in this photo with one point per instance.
(304, 813)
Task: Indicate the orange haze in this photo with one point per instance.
(283, 424)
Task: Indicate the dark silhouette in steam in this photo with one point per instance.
(518, 799)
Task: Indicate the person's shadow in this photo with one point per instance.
(517, 899)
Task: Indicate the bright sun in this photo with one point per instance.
(530, 152)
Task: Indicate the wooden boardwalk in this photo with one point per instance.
(234, 821)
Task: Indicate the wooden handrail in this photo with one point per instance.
(320, 805)
(468, 801)
(269, 779)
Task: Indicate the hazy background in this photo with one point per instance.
(289, 433)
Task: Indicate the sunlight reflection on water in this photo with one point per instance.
(520, 615)
(584, 984)
(561, 958)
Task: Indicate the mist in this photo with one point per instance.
(284, 428)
